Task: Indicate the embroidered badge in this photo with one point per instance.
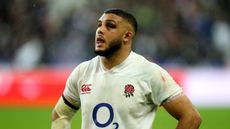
(129, 90)
(86, 88)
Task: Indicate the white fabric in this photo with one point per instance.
(65, 114)
(61, 123)
(101, 95)
(64, 111)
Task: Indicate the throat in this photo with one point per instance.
(108, 63)
(112, 61)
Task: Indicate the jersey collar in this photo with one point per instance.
(118, 67)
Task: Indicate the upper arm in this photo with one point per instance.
(163, 86)
(69, 102)
(180, 107)
(71, 91)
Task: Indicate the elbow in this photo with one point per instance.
(192, 120)
(54, 115)
(195, 119)
(59, 122)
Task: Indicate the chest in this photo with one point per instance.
(122, 92)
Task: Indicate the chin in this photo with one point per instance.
(98, 51)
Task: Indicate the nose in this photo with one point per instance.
(100, 30)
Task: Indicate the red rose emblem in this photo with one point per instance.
(129, 90)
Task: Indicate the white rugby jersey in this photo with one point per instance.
(124, 97)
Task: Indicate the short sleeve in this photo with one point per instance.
(163, 86)
(71, 87)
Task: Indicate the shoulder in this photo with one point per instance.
(152, 70)
(88, 65)
(146, 65)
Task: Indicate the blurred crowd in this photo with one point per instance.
(177, 33)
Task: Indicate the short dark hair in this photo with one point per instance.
(124, 14)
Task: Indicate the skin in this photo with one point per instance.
(182, 109)
(114, 28)
(115, 31)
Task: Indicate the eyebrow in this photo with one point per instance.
(108, 21)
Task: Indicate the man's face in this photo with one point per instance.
(109, 34)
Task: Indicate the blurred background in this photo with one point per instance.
(41, 41)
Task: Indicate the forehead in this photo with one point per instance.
(111, 17)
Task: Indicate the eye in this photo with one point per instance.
(99, 24)
(111, 25)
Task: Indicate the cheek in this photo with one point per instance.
(116, 36)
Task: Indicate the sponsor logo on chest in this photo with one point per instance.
(86, 88)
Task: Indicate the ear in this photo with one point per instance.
(128, 36)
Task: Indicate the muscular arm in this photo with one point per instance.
(62, 114)
(182, 109)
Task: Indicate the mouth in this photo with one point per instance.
(100, 40)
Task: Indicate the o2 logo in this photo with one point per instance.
(111, 116)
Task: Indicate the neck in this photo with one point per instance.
(115, 59)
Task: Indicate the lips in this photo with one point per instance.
(100, 40)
